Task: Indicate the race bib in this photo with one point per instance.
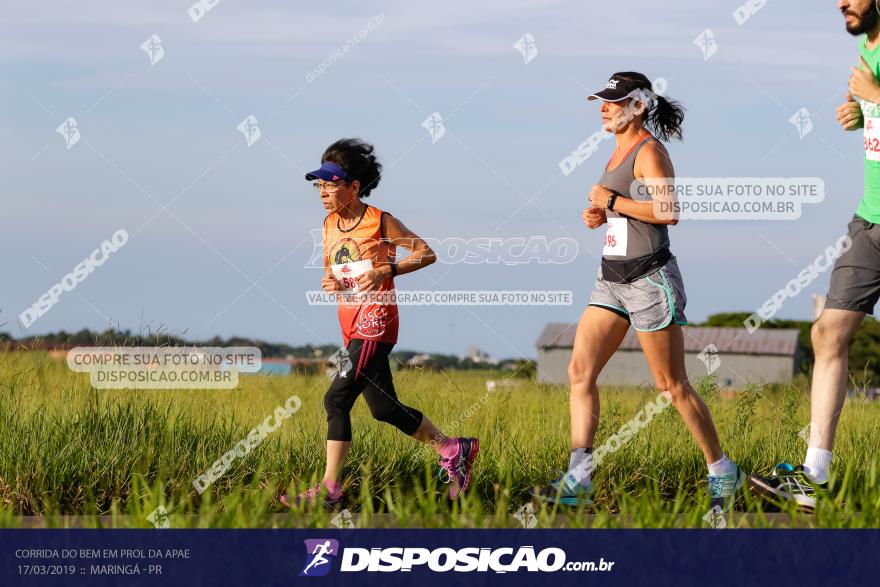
(615, 237)
(872, 138)
(347, 273)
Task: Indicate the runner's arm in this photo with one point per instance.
(421, 255)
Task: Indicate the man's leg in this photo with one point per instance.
(853, 293)
(831, 336)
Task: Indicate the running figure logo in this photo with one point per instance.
(250, 129)
(434, 125)
(70, 131)
(317, 561)
(803, 122)
(707, 44)
(153, 48)
(526, 46)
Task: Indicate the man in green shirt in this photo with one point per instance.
(855, 281)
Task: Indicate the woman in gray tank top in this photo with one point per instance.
(639, 283)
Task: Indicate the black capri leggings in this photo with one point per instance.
(367, 371)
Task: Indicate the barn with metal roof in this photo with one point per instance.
(731, 354)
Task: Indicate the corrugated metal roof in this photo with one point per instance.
(764, 341)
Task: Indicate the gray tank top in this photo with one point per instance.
(641, 238)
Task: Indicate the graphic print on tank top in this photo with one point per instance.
(347, 265)
(349, 254)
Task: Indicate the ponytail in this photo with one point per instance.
(665, 120)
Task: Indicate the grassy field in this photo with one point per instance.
(66, 449)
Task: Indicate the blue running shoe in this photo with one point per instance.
(565, 490)
(723, 488)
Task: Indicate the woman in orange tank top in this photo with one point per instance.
(360, 262)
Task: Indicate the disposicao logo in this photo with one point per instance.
(318, 552)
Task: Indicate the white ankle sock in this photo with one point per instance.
(721, 467)
(817, 464)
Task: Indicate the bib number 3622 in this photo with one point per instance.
(872, 138)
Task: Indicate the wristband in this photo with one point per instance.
(393, 269)
(611, 200)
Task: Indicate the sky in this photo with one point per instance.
(220, 231)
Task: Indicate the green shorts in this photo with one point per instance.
(651, 302)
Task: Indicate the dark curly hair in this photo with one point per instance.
(357, 159)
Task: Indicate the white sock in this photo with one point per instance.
(721, 467)
(817, 464)
(580, 464)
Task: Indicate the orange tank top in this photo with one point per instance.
(348, 254)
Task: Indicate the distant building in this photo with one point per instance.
(422, 361)
(475, 355)
(733, 355)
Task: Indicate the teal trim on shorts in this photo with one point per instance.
(618, 308)
(669, 298)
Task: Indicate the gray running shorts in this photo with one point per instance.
(855, 280)
(651, 302)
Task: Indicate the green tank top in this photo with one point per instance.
(869, 207)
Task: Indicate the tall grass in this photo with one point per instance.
(67, 449)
